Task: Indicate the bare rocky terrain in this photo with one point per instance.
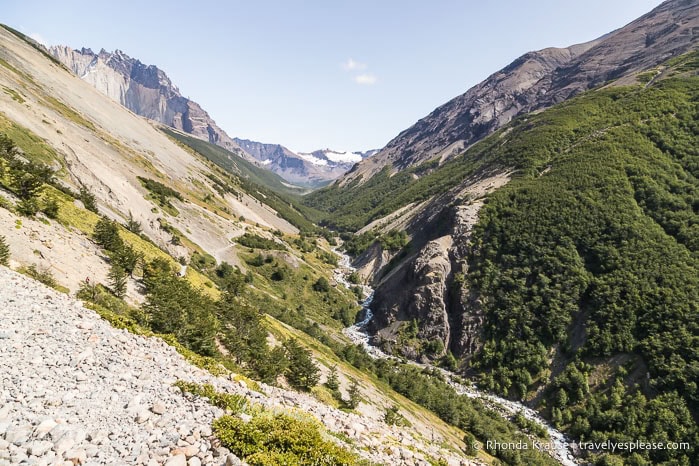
(75, 390)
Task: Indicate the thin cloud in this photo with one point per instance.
(365, 79)
(353, 65)
(38, 38)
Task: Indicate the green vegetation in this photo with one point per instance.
(428, 389)
(606, 240)
(590, 253)
(270, 438)
(299, 295)
(394, 240)
(302, 373)
(229, 402)
(43, 276)
(4, 251)
(273, 439)
(354, 245)
(251, 240)
(265, 186)
(161, 194)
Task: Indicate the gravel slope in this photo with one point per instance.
(73, 388)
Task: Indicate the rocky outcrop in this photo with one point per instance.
(427, 286)
(538, 80)
(144, 89)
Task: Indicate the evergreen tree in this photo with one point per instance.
(106, 234)
(133, 225)
(333, 382)
(471, 446)
(4, 251)
(302, 373)
(88, 200)
(355, 396)
(117, 280)
(127, 258)
(50, 207)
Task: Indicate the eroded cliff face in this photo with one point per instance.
(426, 287)
(145, 90)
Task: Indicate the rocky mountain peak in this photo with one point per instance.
(145, 90)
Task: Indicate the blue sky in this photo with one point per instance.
(348, 75)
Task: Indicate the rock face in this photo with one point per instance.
(147, 91)
(538, 80)
(308, 169)
(144, 89)
(427, 286)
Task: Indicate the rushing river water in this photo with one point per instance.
(558, 444)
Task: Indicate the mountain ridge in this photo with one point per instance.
(144, 89)
(538, 80)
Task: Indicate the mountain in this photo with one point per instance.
(538, 80)
(305, 169)
(147, 91)
(170, 244)
(144, 89)
(539, 233)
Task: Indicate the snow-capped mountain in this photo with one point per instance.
(305, 168)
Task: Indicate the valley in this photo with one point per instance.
(520, 267)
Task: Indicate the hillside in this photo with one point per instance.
(535, 81)
(556, 259)
(161, 235)
(145, 90)
(101, 395)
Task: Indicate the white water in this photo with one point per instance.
(558, 445)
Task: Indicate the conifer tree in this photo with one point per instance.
(4, 251)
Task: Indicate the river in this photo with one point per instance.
(558, 445)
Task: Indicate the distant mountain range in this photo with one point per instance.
(147, 91)
(309, 169)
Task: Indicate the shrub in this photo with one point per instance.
(322, 285)
(44, 276)
(258, 242)
(228, 401)
(279, 439)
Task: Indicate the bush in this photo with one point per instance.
(44, 276)
(228, 401)
(322, 285)
(279, 439)
(258, 242)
